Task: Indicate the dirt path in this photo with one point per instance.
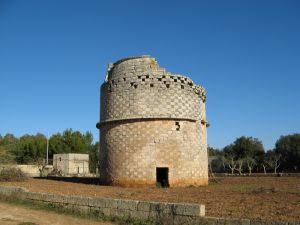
(15, 214)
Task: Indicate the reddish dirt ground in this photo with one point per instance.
(268, 198)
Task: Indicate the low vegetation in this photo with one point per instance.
(12, 175)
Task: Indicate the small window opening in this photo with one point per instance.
(159, 79)
(182, 87)
(168, 85)
(135, 86)
(151, 85)
(163, 76)
(177, 124)
(162, 176)
(124, 79)
(78, 170)
(147, 76)
(59, 158)
(139, 77)
(143, 79)
(131, 84)
(182, 81)
(175, 80)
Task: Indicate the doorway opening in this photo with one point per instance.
(162, 176)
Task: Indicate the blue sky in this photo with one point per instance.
(54, 55)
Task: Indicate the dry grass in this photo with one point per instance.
(12, 174)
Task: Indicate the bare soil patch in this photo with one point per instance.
(268, 198)
(16, 214)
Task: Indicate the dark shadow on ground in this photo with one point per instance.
(81, 180)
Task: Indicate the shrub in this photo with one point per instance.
(12, 174)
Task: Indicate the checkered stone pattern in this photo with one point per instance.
(150, 103)
(131, 151)
(140, 103)
(139, 88)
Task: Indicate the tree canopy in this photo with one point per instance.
(31, 149)
(288, 147)
(244, 147)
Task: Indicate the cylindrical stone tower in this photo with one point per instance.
(152, 126)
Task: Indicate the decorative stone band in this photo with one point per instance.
(153, 80)
(138, 119)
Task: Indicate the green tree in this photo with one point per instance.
(272, 159)
(30, 149)
(8, 139)
(6, 157)
(288, 147)
(214, 151)
(215, 160)
(7, 143)
(243, 151)
(70, 142)
(244, 147)
(94, 157)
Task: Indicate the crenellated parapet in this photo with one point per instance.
(137, 87)
(145, 70)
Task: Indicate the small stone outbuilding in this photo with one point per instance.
(71, 164)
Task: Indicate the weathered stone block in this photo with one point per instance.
(143, 206)
(97, 202)
(111, 203)
(207, 221)
(195, 210)
(127, 204)
(144, 215)
(235, 221)
(182, 220)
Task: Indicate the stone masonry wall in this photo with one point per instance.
(134, 149)
(72, 164)
(138, 88)
(151, 118)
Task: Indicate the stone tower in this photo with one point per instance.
(152, 126)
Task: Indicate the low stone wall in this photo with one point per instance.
(30, 170)
(166, 213)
